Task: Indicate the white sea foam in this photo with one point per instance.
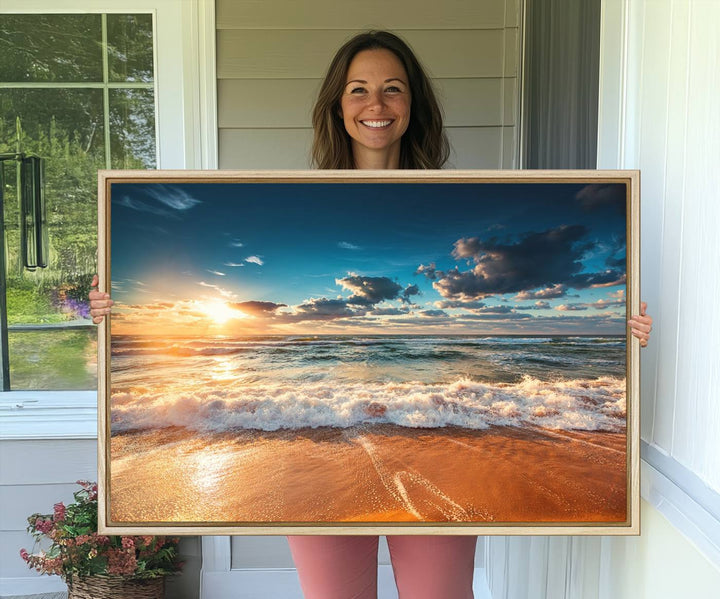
(580, 404)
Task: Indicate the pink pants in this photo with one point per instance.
(425, 567)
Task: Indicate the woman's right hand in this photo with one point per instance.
(100, 303)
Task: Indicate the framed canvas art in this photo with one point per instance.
(369, 352)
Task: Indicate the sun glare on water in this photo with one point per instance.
(219, 312)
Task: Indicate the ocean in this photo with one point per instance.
(223, 384)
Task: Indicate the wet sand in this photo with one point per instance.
(379, 473)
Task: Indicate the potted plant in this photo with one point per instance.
(96, 566)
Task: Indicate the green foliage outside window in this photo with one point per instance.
(76, 90)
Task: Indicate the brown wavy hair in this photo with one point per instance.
(424, 145)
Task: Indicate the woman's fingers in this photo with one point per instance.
(641, 325)
(100, 302)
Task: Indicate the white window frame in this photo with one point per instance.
(186, 130)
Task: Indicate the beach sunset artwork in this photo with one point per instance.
(368, 353)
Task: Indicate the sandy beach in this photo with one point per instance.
(375, 473)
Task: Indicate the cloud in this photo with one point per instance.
(369, 290)
(324, 309)
(409, 291)
(255, 260)
(171, 196)
(388, 311)
(223, 292)
(571, 307)
(544, 260)
(216, 272)
(429, 271)
(547, 293)
(140, 206)
(258, 308)
(539, 305)
(467, 305)
(435, 313)
(603, 196)
(236, 244)
(348, 246)
(233, 264)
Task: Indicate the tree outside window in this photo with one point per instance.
(77, 90)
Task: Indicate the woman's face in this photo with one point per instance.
(375, 103)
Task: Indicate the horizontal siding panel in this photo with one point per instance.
(368, 14)
(510, 99)
(260, 552)
(11, 564)
(260, 103)
(41, 462)
(19, 501)
(277, 103)
(512, 52)
(475, 147)
(512, 13)
(510, 148)
(265, 148)
(471, 147)
(253, 54)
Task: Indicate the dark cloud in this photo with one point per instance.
(429, 271)
(494, 310)
(608, 278)
(369, 290)
(409, 291)
(606, 196)
(257, 307)
(388, 311)
(324, 309)
(432, 313)
(542, 260)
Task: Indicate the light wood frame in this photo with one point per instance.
(631, 179)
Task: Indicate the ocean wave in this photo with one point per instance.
(579, 404)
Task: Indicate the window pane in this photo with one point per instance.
(50, 48)
(54, 359)
(132, 128)
(130, 47)
(65, 127)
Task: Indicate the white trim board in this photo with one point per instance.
(692, 516)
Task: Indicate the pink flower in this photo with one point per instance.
(128, 543)
(24, 555)
(59, 509)
(43, 526)
(121, 562)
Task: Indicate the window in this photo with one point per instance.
(78, 91)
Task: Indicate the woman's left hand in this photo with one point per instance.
(641, 325)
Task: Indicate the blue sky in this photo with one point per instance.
(333, 258)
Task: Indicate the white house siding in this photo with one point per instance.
(271, 58)
(34, 475)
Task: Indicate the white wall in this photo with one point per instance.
(660, 84)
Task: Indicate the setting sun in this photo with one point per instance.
(218, 311)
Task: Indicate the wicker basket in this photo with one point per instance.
(116, 587)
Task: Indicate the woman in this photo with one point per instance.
(377, 110)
